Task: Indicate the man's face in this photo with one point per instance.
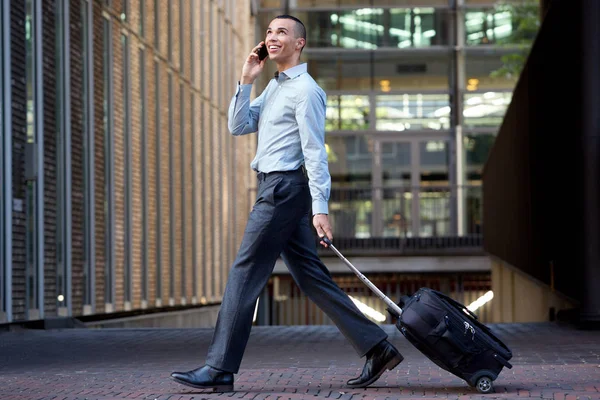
(281, 39)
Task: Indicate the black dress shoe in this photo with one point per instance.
(383, 357)
(206, 377)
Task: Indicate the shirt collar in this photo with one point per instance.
(293, 72)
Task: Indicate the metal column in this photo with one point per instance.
(456, 170)
(6, 171)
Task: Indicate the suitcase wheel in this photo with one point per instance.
(484, 384)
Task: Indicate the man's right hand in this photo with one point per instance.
(253, 66)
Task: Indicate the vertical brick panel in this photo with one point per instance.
(176, 176)
(163, 22)
(19, 138)
(164, 189)
(213, 149)
(151, 171)
(208, 133)
(99, 157)
(77, 158)
(196, 185)
(136, 167)
(189, 186)
(119, 167)
(50, 143)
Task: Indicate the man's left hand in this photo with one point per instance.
(321, 224)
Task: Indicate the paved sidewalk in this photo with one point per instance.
(550, 362)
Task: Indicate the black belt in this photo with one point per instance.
(265, 175)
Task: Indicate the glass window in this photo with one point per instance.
(365, 3)
(350, 160)
(124, 10)
(350, 165)
(412, 71)
(476, 149)
(347, 113)
(485, 109)
(413, 112)
(433, 161)
(516, 24)
(487, 26)
(418, 27)
(488, 72)
(372, 28)
(396, 164)
(343, 71)
(393, 71)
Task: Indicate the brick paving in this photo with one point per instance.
(303, 362)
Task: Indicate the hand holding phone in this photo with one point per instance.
(262, 52)
(254, 63)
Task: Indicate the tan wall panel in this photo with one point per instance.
(119, 168)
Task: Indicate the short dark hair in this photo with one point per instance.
(300, 28)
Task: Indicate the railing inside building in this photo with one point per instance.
(287, 305)
(407, 220)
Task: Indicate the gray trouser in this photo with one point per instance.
(279, 225)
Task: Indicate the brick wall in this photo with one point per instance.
(19, 138)
(191, 152)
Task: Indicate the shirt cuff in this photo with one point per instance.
(319, 207)
(243, 89)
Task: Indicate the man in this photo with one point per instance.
(290, 119)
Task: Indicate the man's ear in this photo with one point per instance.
(300, 44)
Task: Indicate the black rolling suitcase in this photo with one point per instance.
(447, 333)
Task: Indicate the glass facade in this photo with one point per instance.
(411, 115)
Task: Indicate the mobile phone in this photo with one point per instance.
(262, 52)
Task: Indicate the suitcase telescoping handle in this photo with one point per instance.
(393, 306)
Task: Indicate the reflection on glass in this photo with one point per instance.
(434, 159)
(413, 112)
(347, 113)
(480, 70)
(350, 166)
(350, 211)
(476, 149)
(350, 160)
(372, 28)
(397, 213)
(395, 164)
(434, 212)
(473, 210)
(485, 109)
(489, 26)
(364, 3)
(515, 24)
(355, 71)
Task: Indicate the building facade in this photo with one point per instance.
(121, 186)
(416, 95)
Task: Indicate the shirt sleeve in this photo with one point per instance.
(310, 116)
(243, 115)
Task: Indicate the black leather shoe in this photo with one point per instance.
(206, 377)
(382, 357)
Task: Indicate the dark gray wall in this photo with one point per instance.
(540, 176)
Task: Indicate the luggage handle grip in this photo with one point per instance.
(392, 306)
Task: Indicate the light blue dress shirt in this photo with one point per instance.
(289, 116)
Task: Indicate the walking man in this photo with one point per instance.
(289, 117)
